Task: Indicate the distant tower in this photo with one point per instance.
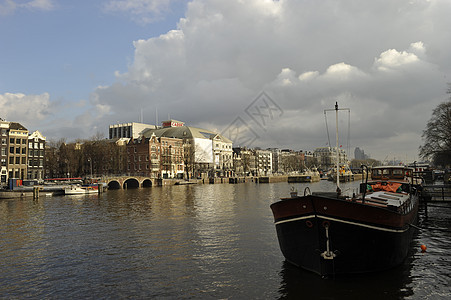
(359, 154)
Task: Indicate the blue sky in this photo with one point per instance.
(260, 69)
(73, 47)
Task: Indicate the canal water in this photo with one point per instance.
(189, 242)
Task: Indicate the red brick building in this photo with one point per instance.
(156, 157)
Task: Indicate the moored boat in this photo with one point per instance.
(82, 189)
(331, 233)
(310, 175)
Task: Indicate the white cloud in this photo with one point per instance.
(10, 6)
(29, 109)
(142, 11)
(305, 55)
(39, 4)
(392, 59)
(308, 75)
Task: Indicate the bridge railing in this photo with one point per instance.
(437, 192)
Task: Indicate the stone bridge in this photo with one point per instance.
(129, 182)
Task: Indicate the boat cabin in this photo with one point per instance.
(391, 173)
(389, 179)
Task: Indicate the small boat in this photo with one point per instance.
(330, 233)
(312, 175)
(308, 175)
(82, 189)
(345, 174)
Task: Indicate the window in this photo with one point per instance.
(17, 160)
(11, 140)
(11, 160)
(24, 160)
(11, 149)
(24, 141)
(30, 145)
(397, 172)
(24, 150)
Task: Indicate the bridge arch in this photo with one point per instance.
(146, 183)
(114, 185)
(131, 183)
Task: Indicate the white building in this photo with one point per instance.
(205, 151)
(128, 130)
(327, 156)
(263, 162)
(36, 153)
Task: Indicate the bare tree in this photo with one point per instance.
(437, 135)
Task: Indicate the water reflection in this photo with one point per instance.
(195, 241)
(300, 284)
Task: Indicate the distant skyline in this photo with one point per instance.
(261, 72)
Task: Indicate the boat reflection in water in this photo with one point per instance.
(393, 284)
(330, 233)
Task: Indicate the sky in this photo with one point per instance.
(263, 73)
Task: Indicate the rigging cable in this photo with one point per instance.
(327, 129)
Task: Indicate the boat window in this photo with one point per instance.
(397, 172)
(386, 172)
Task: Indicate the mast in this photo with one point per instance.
(338, 153)
(336, 136)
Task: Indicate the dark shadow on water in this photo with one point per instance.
(301, 284)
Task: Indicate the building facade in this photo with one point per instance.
(128, 130)
(263, 162)
(4, 128)
(156, 157)
(244, 161)
(291, 161)
(205, 152)
(36, 154)
(327, 156)
(17, 137)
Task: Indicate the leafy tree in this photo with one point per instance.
(437, 135)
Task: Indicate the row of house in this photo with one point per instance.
(178, 151)
(172, 150)
(21, 153)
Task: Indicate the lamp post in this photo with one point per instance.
(90, 163)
